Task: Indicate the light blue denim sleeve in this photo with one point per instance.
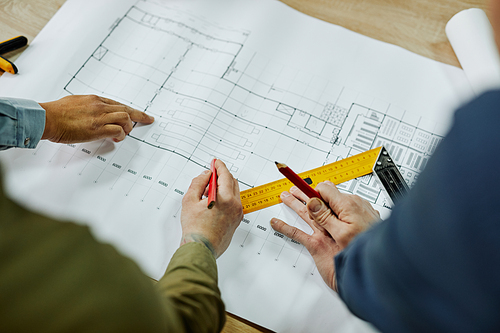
(22, 123)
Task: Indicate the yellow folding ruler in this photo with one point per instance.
(376, 160)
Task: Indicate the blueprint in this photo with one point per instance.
(250, 82)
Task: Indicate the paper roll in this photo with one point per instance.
(472, 38)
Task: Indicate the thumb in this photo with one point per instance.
(197, 187)
(318, 211)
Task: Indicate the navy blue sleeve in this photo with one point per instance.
(434, 264)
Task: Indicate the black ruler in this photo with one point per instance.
(389, 176)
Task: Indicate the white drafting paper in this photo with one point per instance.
(250, 82)
(471, 36)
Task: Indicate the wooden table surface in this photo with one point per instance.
(416, 25)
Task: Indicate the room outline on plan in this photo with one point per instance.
(214, 97)
(226, 102)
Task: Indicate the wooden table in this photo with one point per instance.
(416, 25)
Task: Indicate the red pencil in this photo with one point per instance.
(297, 181)
(212, 185)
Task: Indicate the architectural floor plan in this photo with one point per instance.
(212, 97)
(215, 92)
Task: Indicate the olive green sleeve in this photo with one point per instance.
(55, 277)
(190, 286)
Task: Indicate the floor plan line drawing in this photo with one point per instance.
(216, 90)
(352, 127)
(231, 65)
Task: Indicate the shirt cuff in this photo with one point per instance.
(28, 119)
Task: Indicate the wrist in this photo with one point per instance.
(197, 238)
(47, 130)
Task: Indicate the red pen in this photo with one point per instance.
(297, 181)
(212, 185)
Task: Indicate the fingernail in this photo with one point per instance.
(285, 194)
(315, 205)
(151, 118)
(273, 221)
(293, 188)
(205, 172)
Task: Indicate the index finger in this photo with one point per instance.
(135, 115)
(298, 207)
(139, 116)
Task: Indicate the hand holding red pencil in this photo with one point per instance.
(335, 220)
(212, 227)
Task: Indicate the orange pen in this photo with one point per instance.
(11, 45)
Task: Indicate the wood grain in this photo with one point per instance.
(416, 25)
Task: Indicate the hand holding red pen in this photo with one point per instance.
(213, 227)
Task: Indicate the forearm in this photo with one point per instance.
(432, 265)
(362, 280)
(189, 286)
(77, 277)
(22, 123)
